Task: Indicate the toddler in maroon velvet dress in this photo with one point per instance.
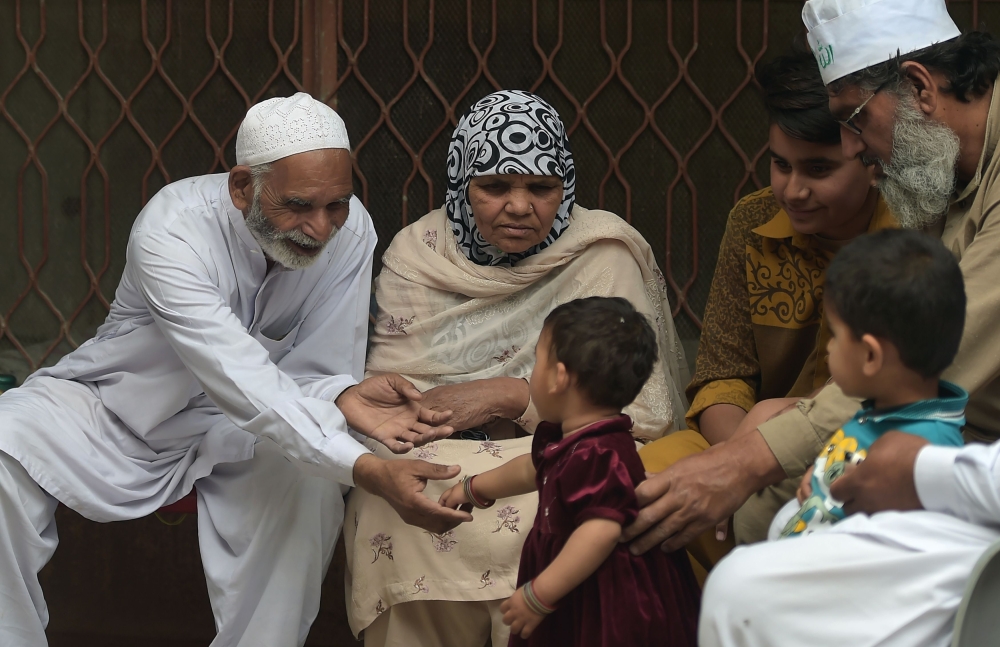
(577, 584)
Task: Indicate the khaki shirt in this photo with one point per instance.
(971, 230)
(764, 335)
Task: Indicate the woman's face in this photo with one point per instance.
(515, 212)
(822, 192)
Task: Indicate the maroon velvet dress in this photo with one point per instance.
(630, 600)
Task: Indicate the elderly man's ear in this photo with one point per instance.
(241, 187)
(926, 85)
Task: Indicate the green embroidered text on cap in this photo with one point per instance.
(824, 56)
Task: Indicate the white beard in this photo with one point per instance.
(277, 244)
(919, 182)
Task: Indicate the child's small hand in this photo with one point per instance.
(805, 486)
(516, 613)
(454, 497)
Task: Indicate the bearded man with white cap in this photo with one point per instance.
(230, 363)
(917, 98)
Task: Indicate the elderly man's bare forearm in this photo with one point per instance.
(699, 491)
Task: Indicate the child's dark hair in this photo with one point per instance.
(903, 286)
(607, 345)
(796, 99)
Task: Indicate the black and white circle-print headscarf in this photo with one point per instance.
(506, 132)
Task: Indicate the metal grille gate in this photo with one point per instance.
(102, 103)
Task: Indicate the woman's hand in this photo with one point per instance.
(473, 404)
(518, 616)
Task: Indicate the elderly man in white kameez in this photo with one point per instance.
(229, 363)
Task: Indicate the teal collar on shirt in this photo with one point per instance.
(948, 406)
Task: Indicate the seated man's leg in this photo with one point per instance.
(706, 550)
(267, 534)
(27, 541)
(752, 521)
(56, 440)
(842, 588)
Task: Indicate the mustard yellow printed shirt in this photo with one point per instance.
(764, 334)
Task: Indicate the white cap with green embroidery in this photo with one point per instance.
(850, 35)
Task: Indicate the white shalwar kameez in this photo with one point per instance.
(209, 368)
(894, 579)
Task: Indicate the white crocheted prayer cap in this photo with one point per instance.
(850, 35)
(284, 126)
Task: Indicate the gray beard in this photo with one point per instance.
(277, 244)
(919, 182)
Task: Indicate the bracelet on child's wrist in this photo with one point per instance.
(470, 494)
(533, 601)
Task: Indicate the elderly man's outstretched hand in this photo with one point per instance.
(386, 407)
(697, 492)
(681, 502)
(401, 483)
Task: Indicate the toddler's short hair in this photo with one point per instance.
(903, 286)
(606, 344)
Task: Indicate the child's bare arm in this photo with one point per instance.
(516, 476)
(584, 552)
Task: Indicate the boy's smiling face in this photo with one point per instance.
(822, 192)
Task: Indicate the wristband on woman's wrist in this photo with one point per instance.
(470, 494)
(533, 601)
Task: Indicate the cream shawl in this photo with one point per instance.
(443, 319)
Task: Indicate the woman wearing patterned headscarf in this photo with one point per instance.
(462, 296)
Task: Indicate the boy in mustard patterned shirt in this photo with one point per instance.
(764, 335)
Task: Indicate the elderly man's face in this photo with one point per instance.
(916, 155)
(300, 205)
(875, 122)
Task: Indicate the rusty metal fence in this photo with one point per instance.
(104, 102)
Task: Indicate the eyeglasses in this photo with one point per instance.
(849, 122)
